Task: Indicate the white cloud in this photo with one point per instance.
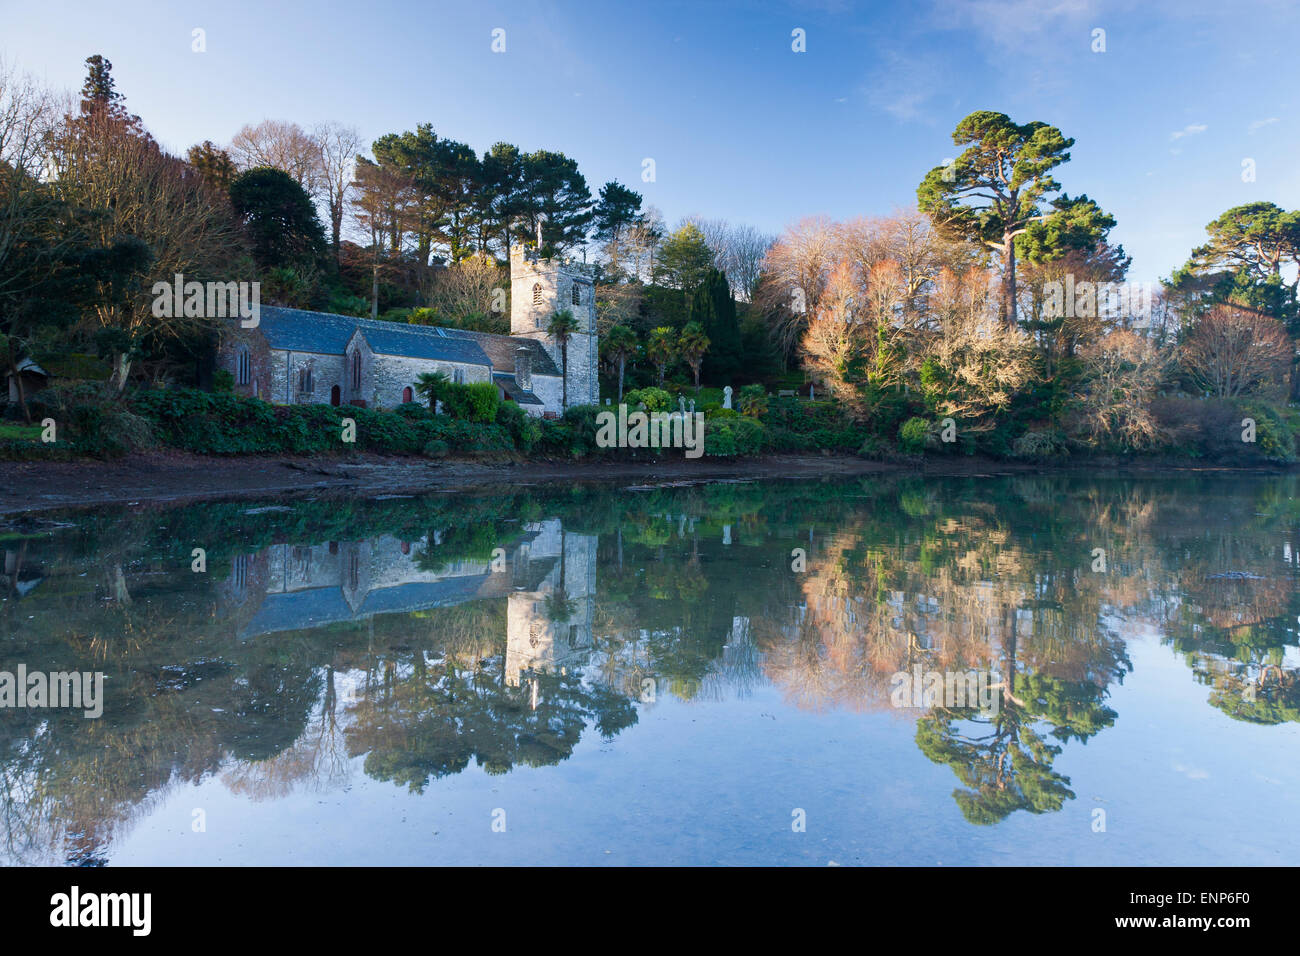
(1190, 130)
(1260, 124)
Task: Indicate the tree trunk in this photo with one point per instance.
(374, 286)
(120, 372)
(621, 363)
(22, 396)
(1009, 280)
(564, 371)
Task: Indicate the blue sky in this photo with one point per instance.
(740, 126)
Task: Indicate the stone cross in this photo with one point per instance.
(681, 404)
(540, 219)
(726, 397)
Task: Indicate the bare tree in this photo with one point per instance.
(106, 164)
(798, 268)
(470, 287)
(380, 208)
(1235, 351)
(283, 145)
(1122, 371)
(977, 362)
(641, 243)
(28, 115)
(738, 250)
(854, 340)
(337, 147)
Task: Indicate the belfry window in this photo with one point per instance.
(577, 294)
(537, 293)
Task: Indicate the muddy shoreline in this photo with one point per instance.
(179, 477)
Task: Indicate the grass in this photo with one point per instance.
(11, 431)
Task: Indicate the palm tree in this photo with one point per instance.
(661, 350)
(692, 344)
(620, 345)
(432, 386)
(563, 326)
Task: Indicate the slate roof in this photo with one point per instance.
(324, 333)
(315, 607)
(501, 350)
(507, 381)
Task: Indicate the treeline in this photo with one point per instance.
(995, 317)
(998, 316)
(416, 229)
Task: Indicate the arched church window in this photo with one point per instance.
(356, 370)
(577, 294)
(305, 380)
(243, 366)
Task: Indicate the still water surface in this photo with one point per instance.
(690, 673)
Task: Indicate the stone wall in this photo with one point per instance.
(389, 374)
(555, 281)
(231, 339)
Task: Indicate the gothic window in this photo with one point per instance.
(239, 572)
(537, 293)
(577, 294)
(356, 371)
(243, 366)
(458, 376)
(305, 381)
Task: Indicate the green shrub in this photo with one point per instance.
(913, 434)
(436, 448)
(1041, 444)
(524, 429)
(753, 401)
(477, 402)
(651, 399)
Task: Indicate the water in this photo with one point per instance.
(697, 674)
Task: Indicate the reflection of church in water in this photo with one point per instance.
(547, 577)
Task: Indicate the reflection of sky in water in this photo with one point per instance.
(777, 723)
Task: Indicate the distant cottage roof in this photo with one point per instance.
(326, 333)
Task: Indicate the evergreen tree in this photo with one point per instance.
(713, 307)
(279, 218)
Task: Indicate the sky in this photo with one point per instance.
(740, 126)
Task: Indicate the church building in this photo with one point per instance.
(294, 356)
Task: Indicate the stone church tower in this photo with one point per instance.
(538, 289)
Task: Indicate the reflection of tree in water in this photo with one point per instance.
(693, 591)
(427, 720)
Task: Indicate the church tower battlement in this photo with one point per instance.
(539, 288)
